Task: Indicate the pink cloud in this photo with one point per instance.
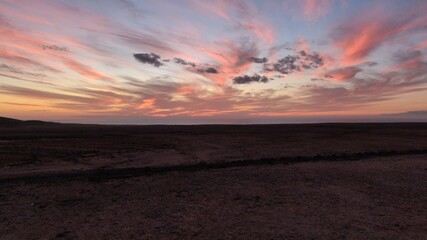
(367, 31)
(309, 10)
(18, 15)
(412, 61)
(420, 46)
(316, 8)
(343, 74)
(83, 69)
(147, 104)
(232, 59)
(241, 15)
(24, 61)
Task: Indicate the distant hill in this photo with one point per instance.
(10, 122)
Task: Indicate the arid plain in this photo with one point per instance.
(307, 181)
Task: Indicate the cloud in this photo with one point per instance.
(343, 74)
(286, 65)
(317, 79)
(249, 79)
(11, 13)
(208, 70)
(316, 8)
(132, 9)
(211, 70)
(421, 45)
(309, 10)
(7, 68)
(231, 58)
(148, 58)
(411, 60)
(363, 91)
(257, 60)
(295, 63)
(242, 16)
(410, 115)
(32, 93)
(365, 32)
(24, 79)
(183, 62)
(371, 64)
(261, 30)
(83, 69)
(55, 48)
(22, 60)
(310, 60)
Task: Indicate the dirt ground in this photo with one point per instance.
(78, 147)
(371, 198)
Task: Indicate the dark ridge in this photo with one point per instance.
(114, 173)
(10, 122)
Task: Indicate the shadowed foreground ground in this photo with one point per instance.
(375, 197)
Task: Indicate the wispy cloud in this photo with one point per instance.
(342, 74)
(365, 32)
(242, 15)
(83, 70)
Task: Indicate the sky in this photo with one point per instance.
(208, 61)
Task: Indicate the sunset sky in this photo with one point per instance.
(196, 61)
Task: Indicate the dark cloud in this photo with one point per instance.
(310, 61)
(183, 62)
(286, 65)
(295, 63)
(208, 70)
(148, 58)
(211, 70)
(248, 79)
(258, 60)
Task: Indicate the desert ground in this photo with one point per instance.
(306, 181)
